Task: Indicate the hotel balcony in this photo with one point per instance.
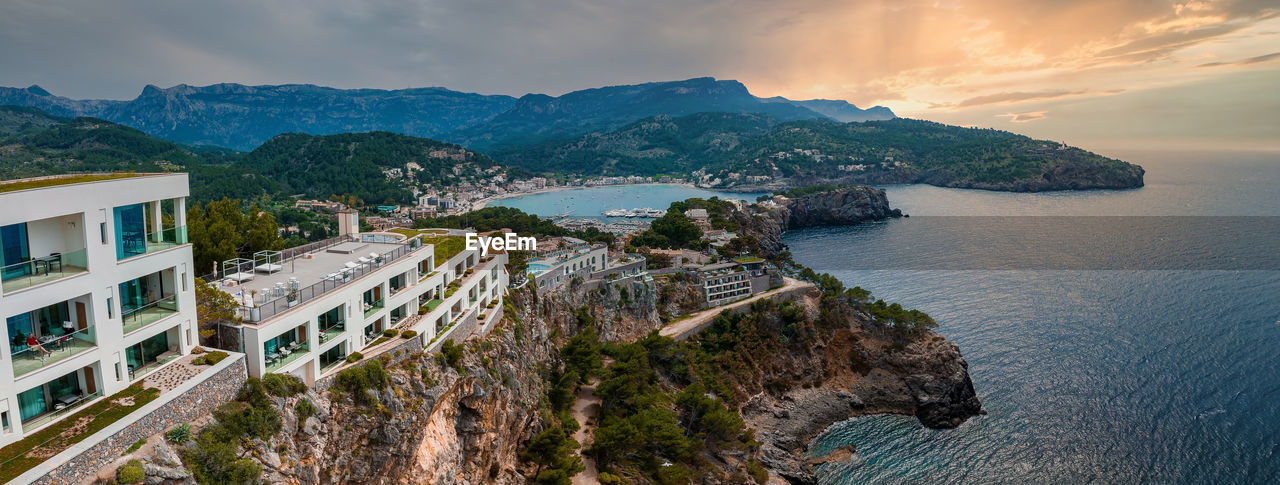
(149, 313)
(51, 351)
(46, 336)
(37, 252)
(139, 229)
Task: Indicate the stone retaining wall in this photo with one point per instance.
(198, 396)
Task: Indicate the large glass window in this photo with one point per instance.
(14, 250)
(282, 341)
(37, 400)
(146, 352)
(131, 230)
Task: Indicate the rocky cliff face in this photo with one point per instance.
(840, 207)
(845, 364)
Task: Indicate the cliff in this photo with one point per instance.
(844, 206)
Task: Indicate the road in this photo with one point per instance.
(681, 329)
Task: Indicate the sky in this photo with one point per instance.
(1096, 73)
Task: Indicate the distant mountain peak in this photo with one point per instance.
(37, 90)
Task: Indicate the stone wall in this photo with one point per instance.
(198, 396)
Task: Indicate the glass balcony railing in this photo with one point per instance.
(137, 318)
(332, 332)
(36, 271)
(132, 244)
(73, 404)
(283, 357)
(51, 350)
(371, 308)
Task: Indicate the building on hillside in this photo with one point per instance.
(305, 311)
(551, 269)
(96, 291)
(722, 283)
(699, 218)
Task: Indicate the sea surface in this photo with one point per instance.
(1159, 372)
(591, 202)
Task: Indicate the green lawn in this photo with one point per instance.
(445, 246)
(70, 179)
(19, 457)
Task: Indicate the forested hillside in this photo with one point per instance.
(354, 164)
(752, 150)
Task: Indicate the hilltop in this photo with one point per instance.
(759, 152)
(374, 166)
(243, 117)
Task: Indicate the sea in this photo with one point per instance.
(1113, 336)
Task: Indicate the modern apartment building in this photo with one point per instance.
(551, 269)
(95, 289)
(307, 309)
(731, 281)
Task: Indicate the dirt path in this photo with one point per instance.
(681, 329)
(586, 407)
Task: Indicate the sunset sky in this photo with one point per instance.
(1097, 73)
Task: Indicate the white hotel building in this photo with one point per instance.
(305, 310)
(96, 291)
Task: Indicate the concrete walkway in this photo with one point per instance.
(682, 329)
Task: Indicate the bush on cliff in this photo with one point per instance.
(283, 385)
(215, 457)
(358, 380)
(131, 472)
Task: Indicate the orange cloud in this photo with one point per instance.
(1026, 116)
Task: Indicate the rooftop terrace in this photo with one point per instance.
(56, 180)
(317, 270)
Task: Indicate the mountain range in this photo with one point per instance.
(243, 117)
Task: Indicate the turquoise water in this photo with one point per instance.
(592, 202)
(1167, 376)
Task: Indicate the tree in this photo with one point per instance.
(221, 230)
(214, 310)
(553, 451)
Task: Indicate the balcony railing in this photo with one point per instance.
(284, 356)
(44, 269)
(133, 244)
(273, 307)
(135, 319)
(371, 308)
(332, 332)
(68, 407)
(52, 350)
(166, 238)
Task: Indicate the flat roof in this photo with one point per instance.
(67, 179)
(313, 270)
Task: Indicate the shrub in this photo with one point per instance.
(409, 334)
(283, 385)
(136, 444)
(210, 358)
(131, 472)
(357, 380)
(452, 354)
(390, 332)
(757, 472)
(179, 434)
(354, 357)
(304, 409)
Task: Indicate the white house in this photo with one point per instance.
(96, 290)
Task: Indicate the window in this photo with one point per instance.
(131, 231)
(184, 282)
(4, 422)
(102, 228)
(111, 308)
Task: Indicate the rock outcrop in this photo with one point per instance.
(844, 206)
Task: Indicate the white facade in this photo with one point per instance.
(99, 275)
(550, 271)
(332, 322)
